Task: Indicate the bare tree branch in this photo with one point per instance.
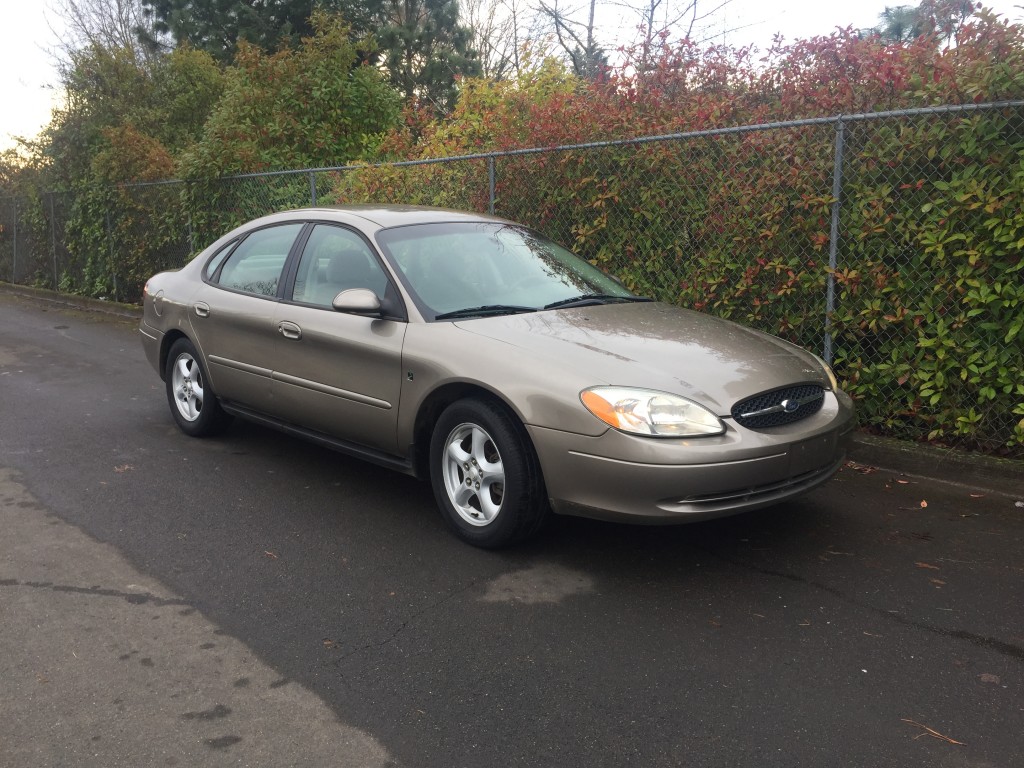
(497, 34)
(105, 23)
(576, 39)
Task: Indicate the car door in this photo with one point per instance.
(337, 373)
(233, 314)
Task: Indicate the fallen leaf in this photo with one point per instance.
(977, 495)
(864, 469)
(988, 678)
(804, 623)
(924, 504)
(124, 468)
(903, 482)
(714, 623)
(871, 634)
(329, 643)
(927, 565)
(270, 554)
(940, 582)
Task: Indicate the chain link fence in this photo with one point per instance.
(889, 243)
(34, 247)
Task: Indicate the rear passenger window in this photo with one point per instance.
(213, 264)
(255, 265)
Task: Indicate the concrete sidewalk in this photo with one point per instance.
(102, 666)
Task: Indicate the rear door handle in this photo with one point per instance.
(202, 309)
(289, 330)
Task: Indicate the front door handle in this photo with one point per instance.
(202, 309)
(289, 330)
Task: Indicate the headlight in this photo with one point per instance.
(646, 412)
(832, 381)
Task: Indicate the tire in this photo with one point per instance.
(486, 477)
(193, 404)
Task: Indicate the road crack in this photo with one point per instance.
(999, 646)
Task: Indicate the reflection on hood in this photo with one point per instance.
(657, 346)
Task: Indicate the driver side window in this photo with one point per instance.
(335, 260)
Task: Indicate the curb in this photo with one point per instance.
(948, 465)
(1004, 476)
(130, 311)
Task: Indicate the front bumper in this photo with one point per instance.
(616, 476)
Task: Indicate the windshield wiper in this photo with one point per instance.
(486, 309)
(590, 299)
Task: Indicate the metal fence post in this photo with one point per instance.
(14, 252)
(191, 235)
(110, 254)
(53, 243)
(833, 241)
(490, 184)
(312, 188)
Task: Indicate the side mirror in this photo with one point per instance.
(357, 301)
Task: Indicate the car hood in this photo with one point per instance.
(658, 346)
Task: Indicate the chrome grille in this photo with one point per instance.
(778, 407)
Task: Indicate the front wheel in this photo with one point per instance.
(485, 475)
(193, 405)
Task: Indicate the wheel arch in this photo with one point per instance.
(435, 403)
(165, 347)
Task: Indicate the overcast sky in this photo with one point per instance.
(28, 77)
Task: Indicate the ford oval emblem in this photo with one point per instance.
(790, 405)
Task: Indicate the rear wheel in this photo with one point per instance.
(485, 475)
(193, 405)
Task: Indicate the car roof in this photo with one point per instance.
(384, 216)
(370, 218)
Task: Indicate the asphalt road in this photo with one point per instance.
(254, 600)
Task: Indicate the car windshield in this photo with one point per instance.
(485, 268)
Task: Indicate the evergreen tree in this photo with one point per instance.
(424, 47)
(217, 26)
(942, 18)
(421, 44)
(900, 24)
